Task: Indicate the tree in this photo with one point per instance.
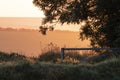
(102, 18)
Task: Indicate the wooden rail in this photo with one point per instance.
(97, 49)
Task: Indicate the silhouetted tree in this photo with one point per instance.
(102, 18)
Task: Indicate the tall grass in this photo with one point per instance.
(106, 70)
(52, 53)
(45, 66)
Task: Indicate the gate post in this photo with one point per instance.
(62, 54)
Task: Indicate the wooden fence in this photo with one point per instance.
(97, 49)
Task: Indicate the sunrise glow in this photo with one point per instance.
(19, 8)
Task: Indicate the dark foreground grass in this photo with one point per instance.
(106, 70)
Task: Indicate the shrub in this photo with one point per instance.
(4, 57)
(103, 56)
(52, 53)
(49, 56)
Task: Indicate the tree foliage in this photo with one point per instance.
(102, 18)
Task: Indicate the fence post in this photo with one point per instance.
(62, 54)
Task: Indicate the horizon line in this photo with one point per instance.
(18, 17)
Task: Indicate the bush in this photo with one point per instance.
(49, 56)
(103, 56)
(69, 57)
(52, 53)
(4, 57)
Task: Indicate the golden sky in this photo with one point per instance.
(25, 8)
(19, 8)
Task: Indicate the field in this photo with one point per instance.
(32, 42)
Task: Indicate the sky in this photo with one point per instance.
(19, 8)
(25, 8)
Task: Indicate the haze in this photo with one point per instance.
(30, 42)
(19, 8)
